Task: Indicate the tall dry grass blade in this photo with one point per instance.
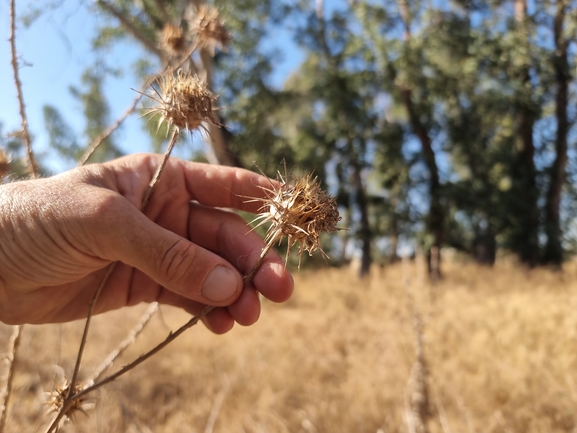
(419, 408)
(215, 410)
(124, 344)
(33, 165)
(13, 345)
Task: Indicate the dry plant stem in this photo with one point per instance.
(13, 346)
(24, 131)
(87, 326)
(70, 398)
(130, 339)
(160, 168)
(171, 337)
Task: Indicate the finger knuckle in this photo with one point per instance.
(177, 262)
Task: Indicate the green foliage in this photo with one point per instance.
(61, 136)
(435, 123)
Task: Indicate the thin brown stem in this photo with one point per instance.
(160, 168)
(15, 69)
(87, 326)
(71, 397)
(131, 27)
(169, 339)
(13, 346)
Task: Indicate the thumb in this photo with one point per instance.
(169, 259)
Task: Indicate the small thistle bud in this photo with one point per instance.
(209, 29)
(300, 211)
(184, 102)
(57, 396)
(172, 39)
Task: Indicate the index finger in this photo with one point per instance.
(231, 187)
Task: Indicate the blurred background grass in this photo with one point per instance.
(499, 344)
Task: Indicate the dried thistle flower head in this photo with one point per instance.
(4, 164)
(299, 210)
(58, 395)
(184, 102)
(172, 39)
(209, 29)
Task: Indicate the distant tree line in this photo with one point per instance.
(437, 124)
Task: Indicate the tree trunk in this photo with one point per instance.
(485, 246)
(365, 230)
(394, 239)
(526, 238)
(219, 137)
(553, 253)
(435, 220)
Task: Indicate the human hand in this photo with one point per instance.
(57, 236)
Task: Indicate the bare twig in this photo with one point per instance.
(130, 339)
(13, 346)
(87, 326)
(160, 168)
(15, 69)
(132, 28)
(170, 338)
(71, 397)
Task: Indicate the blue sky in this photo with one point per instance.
(54, 52)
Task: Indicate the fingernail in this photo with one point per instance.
(220, 284)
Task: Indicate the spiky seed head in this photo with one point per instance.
(58, 395)
(4, 164)
(299, 210)
(184, 102)
(209, 29)
(172, 39)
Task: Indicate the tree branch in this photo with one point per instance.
(24, 131)
(129, 26)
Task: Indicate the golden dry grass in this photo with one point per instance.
(501, 346)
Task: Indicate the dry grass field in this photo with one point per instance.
(501, 349)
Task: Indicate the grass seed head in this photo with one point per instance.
(299, 210)
(172, 39)
(184, 102)
(209, 29)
